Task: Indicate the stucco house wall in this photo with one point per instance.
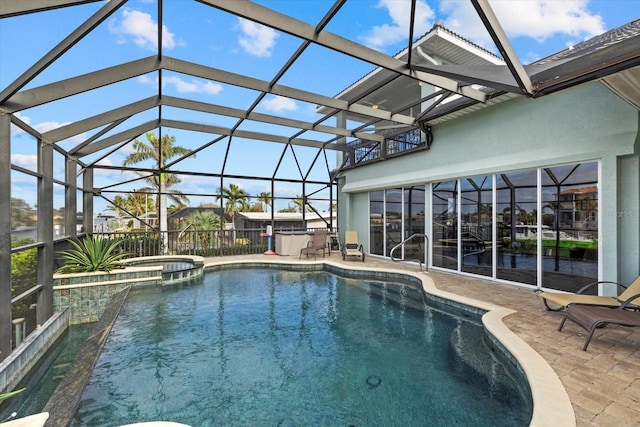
(585, 123)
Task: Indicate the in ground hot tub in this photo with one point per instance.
(174, 267)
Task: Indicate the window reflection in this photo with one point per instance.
(376, 226)
(476, 210)
(517, 219)
(393, 218)
(569, 226)
(414, 222)
(445, 224)
(552, 241)
(394, 215)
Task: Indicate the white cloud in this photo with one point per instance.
(279, 104)
(192, 86)
(145, 79)
(211, 87)
(256, 39)
(183, 86)
(381, 36)
(45, 127)
(142, 29)
(27, 161)
(539, 19)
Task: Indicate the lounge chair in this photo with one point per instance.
(563, 300)
(352, 246)
(591, 317)
(317, 243)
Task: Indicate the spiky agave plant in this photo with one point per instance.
(91, 254)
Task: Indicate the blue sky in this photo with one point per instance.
(201, 34)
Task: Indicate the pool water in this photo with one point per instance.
(269, 347)
(44, 378)
(173, 270)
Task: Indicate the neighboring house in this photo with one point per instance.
(477, 170)
(282, 221)
(104, 223)
(579, 208)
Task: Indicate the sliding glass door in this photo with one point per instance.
(444, 228)
(394, 215)
(476, 210)
(569, 226)
(376, 225)
(517, 220)
(413, 220)
(393, 220)
(537, 227)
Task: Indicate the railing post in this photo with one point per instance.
(426, 249)
(18, 324)
(5, 236)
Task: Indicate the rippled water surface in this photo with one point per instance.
(267, 347)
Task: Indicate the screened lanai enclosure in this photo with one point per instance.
(131, 141)
(151, 122)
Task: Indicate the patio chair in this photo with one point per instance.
(563, 300)
(591, 317)
(352, 246)
(317, 243)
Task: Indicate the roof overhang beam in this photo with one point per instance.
(494, 76)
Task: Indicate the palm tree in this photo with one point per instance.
(265, 198)
(118, 206)
(298, 202)
(236, 198)
(206, 223)
(138, 204)
(159, 150)
(299, 205)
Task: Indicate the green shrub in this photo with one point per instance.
(91, 254)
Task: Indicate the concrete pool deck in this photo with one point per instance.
(603, 383)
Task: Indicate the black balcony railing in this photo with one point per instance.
(394, 144)
(192, 241)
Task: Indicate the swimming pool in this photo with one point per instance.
(274, 347)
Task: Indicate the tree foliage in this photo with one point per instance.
(265, 199)
(206, 223)
(23, 265)
(159, 151)
(21, 213)
(235, 198)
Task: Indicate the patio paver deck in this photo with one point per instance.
(603, 383)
